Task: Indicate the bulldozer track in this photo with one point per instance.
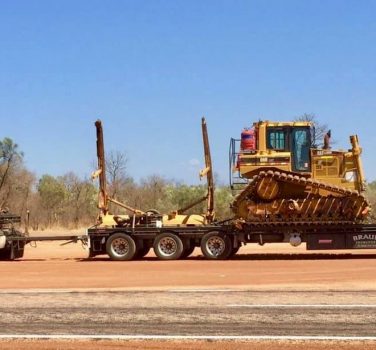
(321, 203)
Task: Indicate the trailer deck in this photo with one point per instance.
(319, 236)
(213, 239)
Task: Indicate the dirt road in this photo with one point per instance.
(57, 290)
(54, 266)
(185, 345)
(196, 313)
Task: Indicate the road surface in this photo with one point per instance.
(56, 290)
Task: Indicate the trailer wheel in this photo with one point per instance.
(168, 246)
(121, 246)
(216, 246)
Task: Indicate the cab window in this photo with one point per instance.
(276, 139)
(301, 149)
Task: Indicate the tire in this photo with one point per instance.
(216, 246)
(153, 212)
(121, 247)
(168, 246)
(187, 251)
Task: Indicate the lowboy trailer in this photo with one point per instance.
(219, 240)
(222, 240)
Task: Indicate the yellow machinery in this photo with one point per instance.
(105, 218)
(287, 179)
(177, 218)
(152, 217)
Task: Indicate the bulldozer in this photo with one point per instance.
(281, 176)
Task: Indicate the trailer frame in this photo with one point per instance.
(325, 236)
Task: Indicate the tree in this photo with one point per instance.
(15, 180)
(20, 190)
(9, 155)
(318, 130)
(223, 199)
(153, 192)
(116, 171)
(80, 202)
(52, 194)
(180, 196)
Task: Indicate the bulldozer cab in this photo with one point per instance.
(275, 145)
(293, 139)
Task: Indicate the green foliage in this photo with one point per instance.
(151, 193)
(156, 192)
(9, 150)
(52, 192)
(371, 195)
(80, 201)
(372, 186)
(223, 199)
(181, 196)
(10, 168)
(67, 200)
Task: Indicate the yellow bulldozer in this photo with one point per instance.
(281, 176)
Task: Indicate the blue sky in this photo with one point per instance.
(151, 69)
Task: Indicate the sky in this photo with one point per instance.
(151, 69)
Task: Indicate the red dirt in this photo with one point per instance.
(53, 266)
(184, 345)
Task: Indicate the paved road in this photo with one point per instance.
(215, 312)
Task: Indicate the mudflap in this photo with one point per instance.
(12, 251)
(5, 254)
(18, 248)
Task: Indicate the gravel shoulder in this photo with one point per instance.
(185, 345)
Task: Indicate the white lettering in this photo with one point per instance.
(364, 237)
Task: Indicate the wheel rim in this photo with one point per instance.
(215, 245)
(167, 246)
(120, 246)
